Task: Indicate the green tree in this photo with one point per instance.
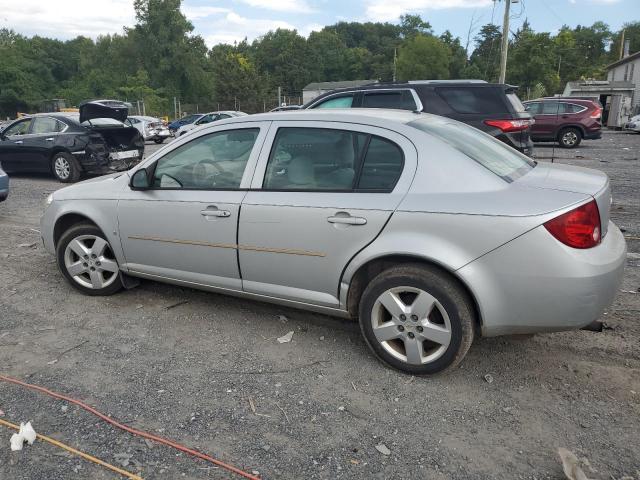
(423, 58)
(631, 33)
(486, 55)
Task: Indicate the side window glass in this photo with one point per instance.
(222, 116)
(382, 165)
(314, 159)
(215, 161)
(383, 100)
(551, 108)
(21, 128)
(532, 108)
(60, 126)
(337, 102)
(43, 125)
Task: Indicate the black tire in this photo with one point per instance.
(569, 137)
(449, 295)
(65, 168)
(81, 231)
(159, 140)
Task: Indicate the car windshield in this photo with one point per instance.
(504, 161)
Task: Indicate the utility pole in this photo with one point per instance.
(395, 63)
(175, 108)
(621, 45)
(505, 42)
(279, 96)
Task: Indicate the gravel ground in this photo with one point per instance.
(192, 371)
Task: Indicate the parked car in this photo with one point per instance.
(4, 185)
(176, 124)
(633, 125)
(94, 141)
(492, 108)
(566, 121)
(150, 128)
(427, 230)
(207, 118)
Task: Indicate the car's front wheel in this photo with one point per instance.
(159, 140)
(65, 168)
(569, 137)
(417, 319)
(87, 260)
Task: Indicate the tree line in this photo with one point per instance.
(161, 58)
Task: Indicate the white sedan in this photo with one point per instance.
(150, 128)
(208, 118)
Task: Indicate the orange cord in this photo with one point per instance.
(86, 456)
(133, 431)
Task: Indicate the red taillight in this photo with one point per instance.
(579, 228)
(510, 125)
(596, 113)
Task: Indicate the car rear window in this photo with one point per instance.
(515, 102)
(495, 156)
(473, 100)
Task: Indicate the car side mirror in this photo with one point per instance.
(140, 180)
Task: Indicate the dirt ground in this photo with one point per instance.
(322, 402)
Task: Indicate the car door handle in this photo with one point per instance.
(18, 142)
(50, 139)
(347, 220)
(214, 212)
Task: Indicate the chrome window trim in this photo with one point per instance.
(414, 94)
(554, 114)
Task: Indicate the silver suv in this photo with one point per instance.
(428, 231)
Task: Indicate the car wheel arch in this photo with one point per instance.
(68, 220)
(367, 271)
(564, 127)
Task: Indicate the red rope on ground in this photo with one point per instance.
(133, 431)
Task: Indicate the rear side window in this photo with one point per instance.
(321, 159)
(46, 125)
(398, 99)
(472, 100)
(533, 108)
(574, 108)
(337, 102)
(382, 165)
(495, 156)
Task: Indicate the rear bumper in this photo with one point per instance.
(536, 284)
(99, 162)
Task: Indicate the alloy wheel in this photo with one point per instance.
(411, 325)
(569, 138)
(62, 168)
(90, 262)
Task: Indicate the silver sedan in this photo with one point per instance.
(426, 230)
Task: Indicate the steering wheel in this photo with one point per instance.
(200, 174)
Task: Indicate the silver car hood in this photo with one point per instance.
(98, 188)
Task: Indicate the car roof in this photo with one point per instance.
(368, 116)
(560, 99)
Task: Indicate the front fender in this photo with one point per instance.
(102, 212)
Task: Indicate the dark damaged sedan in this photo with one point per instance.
(93, 141)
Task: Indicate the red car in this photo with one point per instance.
(565, 120)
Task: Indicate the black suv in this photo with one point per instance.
(493, 108)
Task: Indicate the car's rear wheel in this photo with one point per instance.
(417, 319)
(65, 168)
(159, 140)
(569, 137)
(87, 261)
